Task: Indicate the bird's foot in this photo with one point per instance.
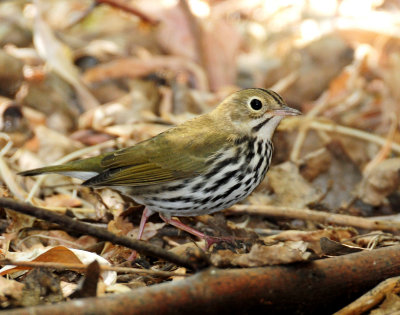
(210, 240)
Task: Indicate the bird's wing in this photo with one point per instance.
(176, 154)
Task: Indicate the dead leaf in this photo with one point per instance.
(281, 253)
(383, 180)
(315, 163)
(41, 286)
(263, 255)
(59, 58)
(290, 188)
(312, 238)
(332, 248)
(62, 200)
(10, 292)
(57, 254)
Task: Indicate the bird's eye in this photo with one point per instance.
(256, 104)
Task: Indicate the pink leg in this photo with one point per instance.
(145, 215)
(209, 239)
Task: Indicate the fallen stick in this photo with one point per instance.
(83, 267)
(316, 216)
(66, 223)
(318, 287)
(372, 297)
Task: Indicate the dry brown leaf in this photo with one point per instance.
(149, 232)
(59, 58)
(332, 248)
(55, 254)
(220, 54)
(10, 292)
(383, 180)
(129, 109)
(316, 68)
(136, 67)
(281, 253)
(112, 199)
(290, 188)
(312, 238)
(315, 163)
(62, 200)
(263, 255)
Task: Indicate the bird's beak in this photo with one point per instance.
(286, 111)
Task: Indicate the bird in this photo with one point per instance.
(202, 166)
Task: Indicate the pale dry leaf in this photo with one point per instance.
(149, 232)
(315, 163)
(138, 67)
(62, 200)
(183, 248)
(137, 132)
(54, 145)
(68, 288)
(59, 58)
(10, 289)
(174, 33)
(18, 221)
(112, 199)
(58, 254)
(316, 69)
(220, 54)
(383, 180)
(223, 258)
(312, 238)
(290, 188)
(263, 255)
(281, 253)
(129, 109)
(118, 288)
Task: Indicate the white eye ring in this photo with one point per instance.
(255, 104)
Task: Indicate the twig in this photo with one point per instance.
(386, 148)
(77, 226)
(372, 297)
(320, 104)
(356, 133)
(9, 180)
(197, 32)
(64, 266)
(317, 216)
(122, 6)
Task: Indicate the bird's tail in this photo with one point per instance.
(79, 169)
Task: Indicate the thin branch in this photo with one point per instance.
(77, 226)
(64, 266)
(124, 7)
(319, 124)
(320, 104)
(317, 216)
(356, 133)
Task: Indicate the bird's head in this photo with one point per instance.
(255, 112)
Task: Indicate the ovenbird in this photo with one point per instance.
(202, 166)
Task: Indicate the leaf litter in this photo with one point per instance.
(75, 87)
